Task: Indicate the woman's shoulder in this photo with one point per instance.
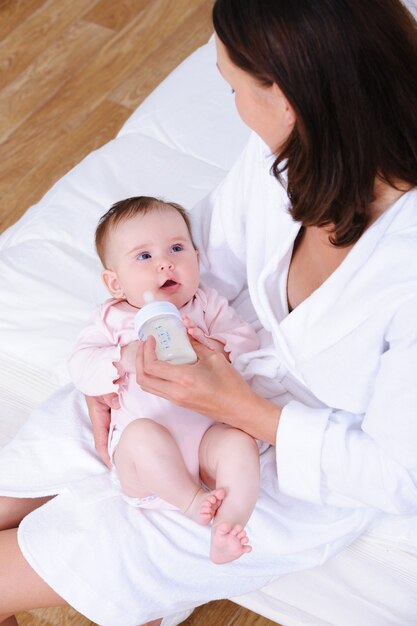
(396, 253)
(402, 229)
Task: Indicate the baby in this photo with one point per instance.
(162, 452)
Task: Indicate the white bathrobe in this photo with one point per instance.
(343, 364)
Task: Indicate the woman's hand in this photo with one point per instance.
(211, 387)
(99, 412)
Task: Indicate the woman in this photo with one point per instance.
(326, 248)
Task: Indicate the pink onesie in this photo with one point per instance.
(92, 369)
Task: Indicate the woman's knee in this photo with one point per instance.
(21, 588)
(8, 620)
(13, 510)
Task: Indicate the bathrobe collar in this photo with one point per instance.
(308, 329)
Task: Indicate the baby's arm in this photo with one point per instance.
(93, 361)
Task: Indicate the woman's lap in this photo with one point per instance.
(117, 564)
(52, 450)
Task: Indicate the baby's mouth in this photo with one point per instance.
(169, 285)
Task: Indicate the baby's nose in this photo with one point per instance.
(165, 264)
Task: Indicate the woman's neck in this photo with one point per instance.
(386, 195)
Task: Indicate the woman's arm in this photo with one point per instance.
(324, 455)
(339, 458)
(211, 386)
(99, 412)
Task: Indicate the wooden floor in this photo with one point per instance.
(71, 72)
(222, 613)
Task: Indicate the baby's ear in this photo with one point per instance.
(112, 283)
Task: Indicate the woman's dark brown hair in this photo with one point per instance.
(349, 69)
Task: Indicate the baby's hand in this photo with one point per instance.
(197, 333)
(127, 363)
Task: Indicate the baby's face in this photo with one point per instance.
(152, 253)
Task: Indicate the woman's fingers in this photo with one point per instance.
(157, 377)
(197, 334)
(101, 442)
(202, 351)
(147, 364)
(111, 400)
(99, 412)
(187, 322)
(202, 386)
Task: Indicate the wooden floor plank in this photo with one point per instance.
(14, 12)
(116, 15)
(39, 129)
(219, 613)
(84, 90)
(77, 98)
(128, 49)
(44, 77)
(42, 28)
(193, 32)
(65, 110)
(59, 616)
(98, 128)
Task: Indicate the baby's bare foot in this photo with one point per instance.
(228, 542)
(204, 505)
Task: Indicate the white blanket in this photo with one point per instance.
(120, 565)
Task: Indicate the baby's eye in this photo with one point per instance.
(232, 90)
(177, 247)
(143, 256)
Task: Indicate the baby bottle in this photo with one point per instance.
(163, 321)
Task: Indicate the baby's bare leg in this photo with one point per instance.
(230, 457)
(10, 621)
(149, 462)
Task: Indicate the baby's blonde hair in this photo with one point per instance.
(126, 209)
